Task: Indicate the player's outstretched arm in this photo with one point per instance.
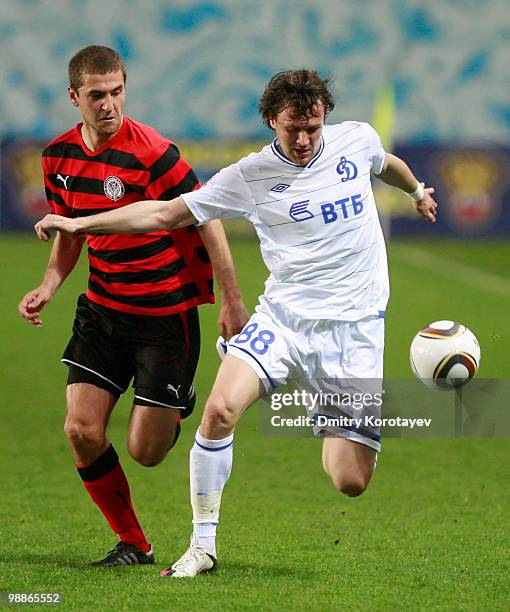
(397, 173)
(137, 218)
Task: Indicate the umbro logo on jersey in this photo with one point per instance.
(170, 387)
(64, 180)
(114, 188)
(347, 169)
(280, 187)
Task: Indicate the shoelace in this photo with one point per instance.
(120, 548)
(121, 551)
(192, 554)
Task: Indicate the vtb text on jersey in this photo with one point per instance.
(318, 225)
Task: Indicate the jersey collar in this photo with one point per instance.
(279, 153)
(108, 144)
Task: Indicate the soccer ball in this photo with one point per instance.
(445, 355)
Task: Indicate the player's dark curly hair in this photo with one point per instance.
(94, 60)
(298, 89)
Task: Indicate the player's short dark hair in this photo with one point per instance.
(298, 89)
(94, 59)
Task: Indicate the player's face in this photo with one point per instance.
(100, 99)
(299, 137)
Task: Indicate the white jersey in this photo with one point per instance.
(318, 226)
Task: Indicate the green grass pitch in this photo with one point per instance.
(431, 532)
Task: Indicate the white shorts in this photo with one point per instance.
(314, 353)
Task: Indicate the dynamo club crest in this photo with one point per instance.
(347, 169)
(114, 188)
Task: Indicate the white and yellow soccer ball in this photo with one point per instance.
(445, 355)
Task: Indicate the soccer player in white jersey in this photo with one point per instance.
(309, 196)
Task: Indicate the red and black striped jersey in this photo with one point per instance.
(156, 273)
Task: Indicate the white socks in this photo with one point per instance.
(210, 463)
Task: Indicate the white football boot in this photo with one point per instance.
(196, 560)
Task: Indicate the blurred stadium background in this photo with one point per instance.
(434, 74)
(433, 79)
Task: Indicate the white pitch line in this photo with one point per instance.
(473, 277)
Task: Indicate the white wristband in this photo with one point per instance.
(418, 193)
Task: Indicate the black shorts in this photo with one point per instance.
(109, 348)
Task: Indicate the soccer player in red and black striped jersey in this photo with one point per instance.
(138, 319)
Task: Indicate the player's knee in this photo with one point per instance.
(350, 485)
(218, 414)
(83, 436)
(151, 450)
(353, 488)
(147, 455)
(147, 458)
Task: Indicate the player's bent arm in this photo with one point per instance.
(396, 172)
(64, 255)
(233, 315)
(140, 217)
(215, 242)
